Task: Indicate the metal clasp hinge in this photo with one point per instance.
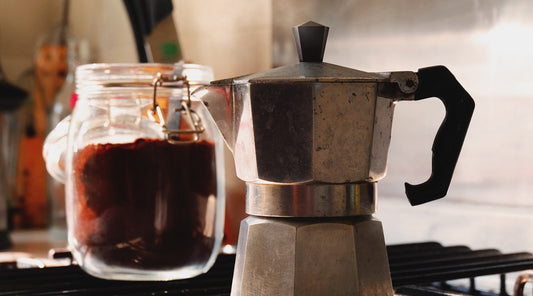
(399, 86)
(189, 118)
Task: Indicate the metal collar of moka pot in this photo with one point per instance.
(311, 139)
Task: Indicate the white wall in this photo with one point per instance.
(232, 36)
(23, 22)
(20, 27)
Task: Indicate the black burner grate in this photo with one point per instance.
(431, 262)
(71, 280)
(416, 269)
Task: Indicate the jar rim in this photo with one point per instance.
(110, 75)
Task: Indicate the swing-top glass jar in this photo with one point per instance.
(143, 170)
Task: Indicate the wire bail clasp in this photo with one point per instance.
(190, 126)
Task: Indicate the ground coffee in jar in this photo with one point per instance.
(143, 165)
(144, 204)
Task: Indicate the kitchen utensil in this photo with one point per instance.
(154, 30)
(49, 72)
(311, 142)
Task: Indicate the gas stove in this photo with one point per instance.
(426, 268)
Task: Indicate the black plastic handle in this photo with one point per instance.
(439, 82)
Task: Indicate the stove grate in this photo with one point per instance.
(416, 269)
(431, 262)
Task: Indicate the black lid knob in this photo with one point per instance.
(310, 41)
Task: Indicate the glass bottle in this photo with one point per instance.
(50, 69)
(61, 107)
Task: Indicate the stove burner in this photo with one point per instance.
(416, 269)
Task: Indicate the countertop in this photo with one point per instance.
(34, 243)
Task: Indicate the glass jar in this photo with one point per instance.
(144, 172)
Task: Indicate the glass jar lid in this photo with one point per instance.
(98, 76)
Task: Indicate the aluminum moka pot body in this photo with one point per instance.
(319, 123)
(307, 130)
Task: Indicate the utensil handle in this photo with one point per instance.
(439, 82)
(54, 148)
